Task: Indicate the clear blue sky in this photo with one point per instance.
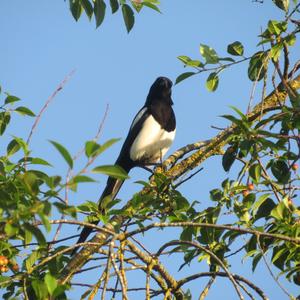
(41, 43)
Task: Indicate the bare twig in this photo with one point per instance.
(271, 272)
(107, 269)
(38, 117)
(223, 274)
(216, 258)
(120, 277)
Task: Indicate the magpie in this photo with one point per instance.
(151, 134)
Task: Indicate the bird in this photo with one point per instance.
(150, 136)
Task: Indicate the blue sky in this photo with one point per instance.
(41, 43)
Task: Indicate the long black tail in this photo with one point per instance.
(112, 188)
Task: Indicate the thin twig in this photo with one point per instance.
(271, 273)
(213, 256)
(223, 274)
(107, 269)
(246, 290)
(38, 117)
(186, 179)
(113, 261)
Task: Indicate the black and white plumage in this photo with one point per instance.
(149, 138)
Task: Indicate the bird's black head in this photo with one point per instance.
(161, 89)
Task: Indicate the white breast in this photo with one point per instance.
(151, 143)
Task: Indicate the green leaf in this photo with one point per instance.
(51, 283)
(212, 82)
(32, 258)
(24, 111)
(15, 145)
(28, 237)
(290, 39)
(276, 28)
(226, 59)
(257, 66)
(65, 209)
(11, 99)
(105, 146)
(278, 211)
(216, 195)
(256, 260)
(35, 161)
(99, 11)
(76, 9)
(40, 289)
(89, 207)
(93, 149)
(12, 147)
(190, 62)
(243, 116)
(259, 202)
(137, 6)
(64, 152)
(152, 6)
(11, 230)
(81, 178)
(31, 182)
(229, 158)
(255, 172)
(112, 170)
(128, 16)
(185, 59)
(276, 51)
(282, 4)
(281, 171)
(4, 121)
(209, 54)
(242, 124)
(265, 209)
(279, 256)
(184, 76)
(45, 222)
(36, 232)
(88, 7)
(114, 4)
(236, 49)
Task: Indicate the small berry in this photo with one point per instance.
(246, 193)
(3, 269)
(250, 186)
(15, 267)
(3, 260)
(290, 202)
(295, 167)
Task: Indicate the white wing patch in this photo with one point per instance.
(138, 117)
(152, 142)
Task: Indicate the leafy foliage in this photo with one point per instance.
(97, 8)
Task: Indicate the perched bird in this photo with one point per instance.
(150, 136)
